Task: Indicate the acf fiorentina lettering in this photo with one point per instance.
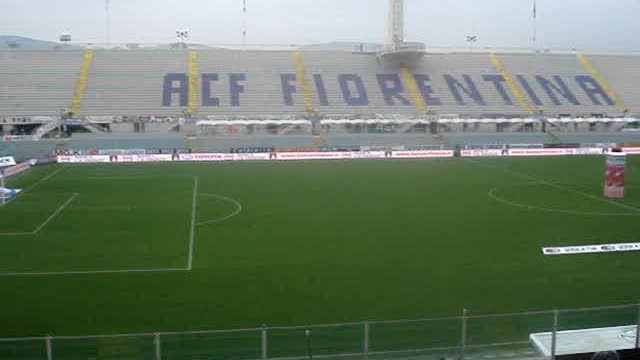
(228, 89)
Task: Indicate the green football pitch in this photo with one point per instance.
(101, 249)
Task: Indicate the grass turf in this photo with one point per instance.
(316, 242)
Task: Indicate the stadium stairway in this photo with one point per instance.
(412, 87)
(513, 87)
(303, 83)
(602, 82)
(44, 129)
(82, 83)
(194, 84)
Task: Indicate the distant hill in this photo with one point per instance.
(19, 42)
(344, 46)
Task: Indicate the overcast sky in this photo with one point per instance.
(583, 24)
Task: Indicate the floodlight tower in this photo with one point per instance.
(107, 11)
(396, 22)
(399, 52)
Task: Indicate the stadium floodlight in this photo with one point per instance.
(471, 40)
(65, 37)
(183, 36)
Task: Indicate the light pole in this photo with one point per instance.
(107, 11)
(183, 36)
(471, 40)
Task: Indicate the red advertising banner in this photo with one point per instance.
(18, 168)
(631, 150)
(555, 152)
(83, 159)
(224, 157)
(483, 153)
(142, 158)
(422, 154)
(614, 175)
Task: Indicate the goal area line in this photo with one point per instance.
(190, 253)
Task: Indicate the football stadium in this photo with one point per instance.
(396, 201)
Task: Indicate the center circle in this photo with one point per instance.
(495, 194)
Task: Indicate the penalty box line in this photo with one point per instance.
(95, 272)
(89, 272)
(47, 220)
(36, 184)
(192, 232)
(559, 187)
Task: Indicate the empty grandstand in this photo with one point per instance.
(257, 83)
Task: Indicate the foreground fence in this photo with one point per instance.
(467, 336)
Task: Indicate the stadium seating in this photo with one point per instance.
(566, 66)
(252, 83)
(262, 91)
(623, 73)
(37, 82)
(129, 83)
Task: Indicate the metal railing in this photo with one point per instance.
(466, 336)
(351, 47)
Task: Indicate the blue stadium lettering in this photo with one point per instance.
(593, 90)
(175, 83)
(392, 89)
(236, 88)
(422, 81)
(468, 88)
(288, 89)
(557, 86)
(321, 89)
(463, 89)
(527, 87)
(350, 84)
(499, 82)
(207, 80)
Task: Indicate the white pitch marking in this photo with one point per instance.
(590, 196)
(47, 221)
(192, 234)
(89, 272)
(237, 211)
(58, 211)
(94, 272)
(492, 194)
(36, 184)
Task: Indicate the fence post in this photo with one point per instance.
(264, 342)
(307, 334)
(554, 334)
(156, 341)
(638, 330)
(48, 347)
(365, 350)
(463, 335)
